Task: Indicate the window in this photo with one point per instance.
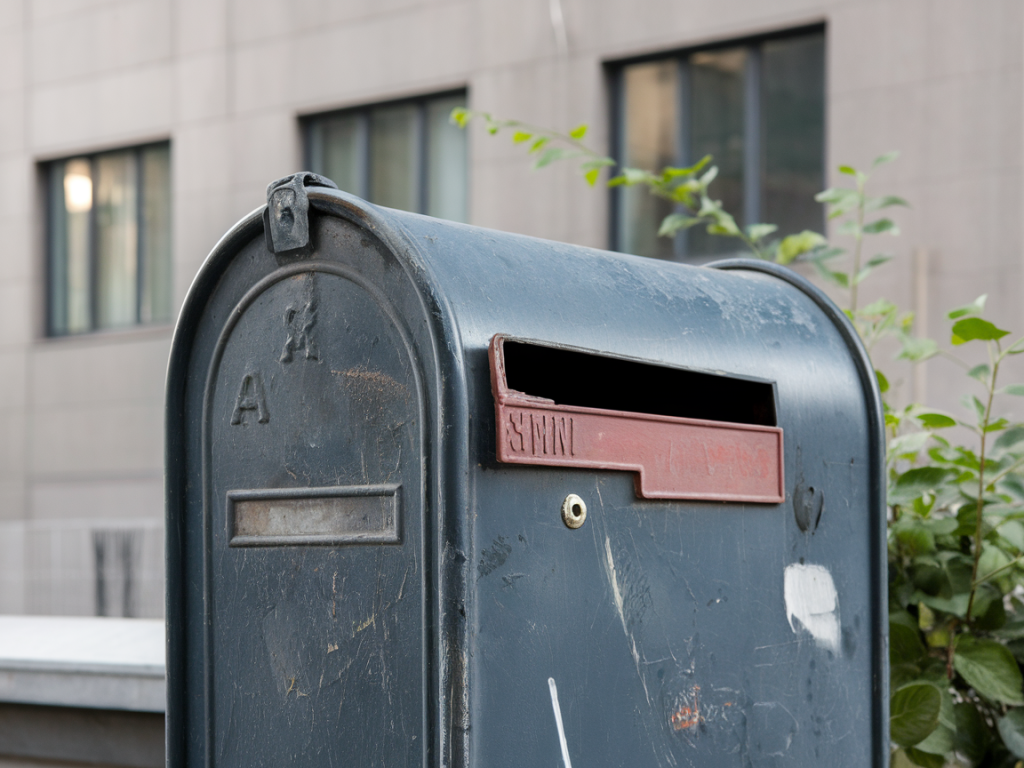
(109, 240)
(403, 154)
(758, 107)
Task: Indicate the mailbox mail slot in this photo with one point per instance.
(444, 496)
(674, 457)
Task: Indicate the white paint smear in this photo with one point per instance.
(558, 722)
(811, 599)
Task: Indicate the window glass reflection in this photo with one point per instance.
(446, 161)
(649, 131)
(109, 240)
(793, 115)
(393, 171)
(716, 118)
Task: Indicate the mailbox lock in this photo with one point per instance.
(574, 511)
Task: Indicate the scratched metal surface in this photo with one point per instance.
(675, 633)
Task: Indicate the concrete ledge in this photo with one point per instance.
(99, 663)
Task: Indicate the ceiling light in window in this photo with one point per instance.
(77, 187)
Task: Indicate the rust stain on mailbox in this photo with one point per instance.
(674, 457)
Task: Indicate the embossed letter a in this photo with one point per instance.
(251, 398)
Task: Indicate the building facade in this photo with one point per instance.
(133, 133)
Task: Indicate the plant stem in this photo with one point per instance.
(949, 650)
(981, 483)
(1012, 468)
(858, 238)
(998, 570)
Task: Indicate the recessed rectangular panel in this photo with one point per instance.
(304, 516)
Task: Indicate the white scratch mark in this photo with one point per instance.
(609, 564)
(609, 567)
(811, 599)
(558, 722)
(636, 660)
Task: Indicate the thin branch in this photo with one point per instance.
(997, 571)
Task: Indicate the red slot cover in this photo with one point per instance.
(674, 458)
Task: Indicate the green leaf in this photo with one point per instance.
(880, 226)
(971, 402)
(1009, 438)
(851, 228)
(1011, 728)
(878, 307)
(974, 308)
(549, 156)
(837, 195)
(591, 176)
(924, 759)
(796, 245)
(757, 231)
(980, 372)
(905, 644)
(675, 222)
(939, 742)
(520, 136)
(935, 420)
(988, 611)
(956, 605)
(972, 328)
(1013, 532)
(838, 278)
(864, 272)
(917, 349)
(579, 131)
(918, 481)
(914, 713)
(883, 383)
(972, 734)
(888, 157)
(847, 170)
(992, 559)
(942, 526)
(909, 445)
(629, 177)
(877, 203)
(1013, 630)
(989, 668)
(917, 539)
(538, 145)
(459, 116)
(709, 175)
(1012, 389)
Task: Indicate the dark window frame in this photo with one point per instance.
(362, 112)
(47, 173)
(614, 71)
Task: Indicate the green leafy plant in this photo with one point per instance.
(956, 546)
(956, 511)
(686, 188)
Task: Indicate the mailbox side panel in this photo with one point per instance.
(664, 632)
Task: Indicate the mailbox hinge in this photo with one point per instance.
(286, 219)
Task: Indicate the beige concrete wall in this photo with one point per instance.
(226, 80)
